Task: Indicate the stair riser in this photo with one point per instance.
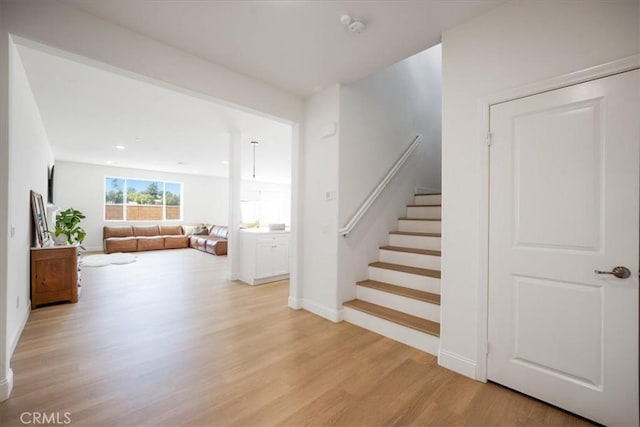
(408, 280)
(431, 199)
(411, 306)
(415, 242)
(428, 212)
(411, 337)
(414, 260)
(419, 226)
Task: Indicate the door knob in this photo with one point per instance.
(619, 271)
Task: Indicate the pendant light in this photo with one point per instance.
(254, 143)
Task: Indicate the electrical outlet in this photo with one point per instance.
(13, 231)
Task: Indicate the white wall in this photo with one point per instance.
(30, 156)
(516, 44)
(6, 382)
(319, 223)
(379, 117)
(81, 186)
(63, 27)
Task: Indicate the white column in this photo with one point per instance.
(235, 167)
(295, 254)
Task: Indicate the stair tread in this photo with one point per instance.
(404, 319)
(428, 194)
(412, 250)
(402, 291)
(419, 219)
(425, 206)
(414, 233)
(406, 269)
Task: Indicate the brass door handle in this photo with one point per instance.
(620, 272)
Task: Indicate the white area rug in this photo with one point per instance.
(102, 260)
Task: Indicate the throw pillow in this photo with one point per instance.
(188, 229)
(201, 230)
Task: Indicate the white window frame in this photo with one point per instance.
(124, 199)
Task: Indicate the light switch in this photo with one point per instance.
(13, 231)
(329, 195)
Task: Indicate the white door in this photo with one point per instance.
(564, 190)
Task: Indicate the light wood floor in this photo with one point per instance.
(168, 341)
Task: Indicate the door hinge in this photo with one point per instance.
(489, 138)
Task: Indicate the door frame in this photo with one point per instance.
(483, 105)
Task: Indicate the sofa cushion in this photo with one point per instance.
(176, 242)
(120, 244)
(120, 231)
(171, 230)
(146, 230)
(216, 247)
(220, 231)
(150, 243)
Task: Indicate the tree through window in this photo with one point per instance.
(146, 200)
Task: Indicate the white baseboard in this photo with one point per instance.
(457, 363)
(320, 310)
(16, 337)
(6, 385)
(295, 303)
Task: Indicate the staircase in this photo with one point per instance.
(401, 298)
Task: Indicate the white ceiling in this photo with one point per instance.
(87, 111)
(299, 46)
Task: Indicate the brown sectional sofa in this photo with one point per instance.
(214, 243)
(153, 237)
(135, 238)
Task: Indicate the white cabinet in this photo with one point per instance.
(264, 256)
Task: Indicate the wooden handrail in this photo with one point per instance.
(357, 216)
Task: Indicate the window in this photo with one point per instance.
(145, 200)
(265, 206)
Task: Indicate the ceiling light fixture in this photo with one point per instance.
(254, 143)
(225, 162)
(120, 147)
(354, 25)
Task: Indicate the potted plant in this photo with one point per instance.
(68, 228)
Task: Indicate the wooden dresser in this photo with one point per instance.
(54, 275)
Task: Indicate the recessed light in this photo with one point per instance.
(120, 147)
(225, 162)
(182, 163)
(195, 171)
(111, 162)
